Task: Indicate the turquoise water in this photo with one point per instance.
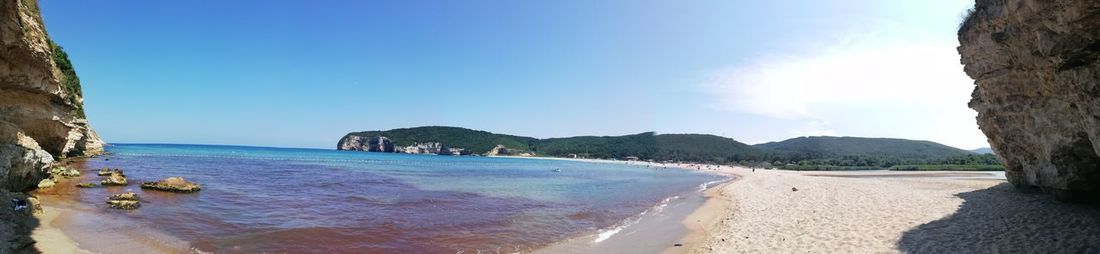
(310, 200)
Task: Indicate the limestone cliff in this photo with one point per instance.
(368, 144)
(1038, 90)
(41, 113)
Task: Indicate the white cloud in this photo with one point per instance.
(875, 80)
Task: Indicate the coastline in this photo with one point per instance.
(72, 226)
(689, 227)
(758, 205)
(69, 226)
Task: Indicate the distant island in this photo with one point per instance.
(802, 153)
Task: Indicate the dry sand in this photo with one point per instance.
(886, 212)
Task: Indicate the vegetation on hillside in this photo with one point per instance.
(650, 146)
(805, 153)
(69, 81)
(853, 153)
(884, 148)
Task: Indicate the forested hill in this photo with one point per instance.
(822, 153)
(645, 146)
(822, 147)
(649, 145)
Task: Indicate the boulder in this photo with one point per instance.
(125, 201)
(115, 178)
(87, 185)
(1036, 70)
(107, 172)
(65, 172)
(172, 184)
(46, 183)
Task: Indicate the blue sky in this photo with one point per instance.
(303, 73)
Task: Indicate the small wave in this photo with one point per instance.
(707, 185)
(608, 233)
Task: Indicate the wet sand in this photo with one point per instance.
(49, 238)
(68, 226)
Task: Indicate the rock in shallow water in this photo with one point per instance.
(125, 201)
(66, 172)
(172, 184)
(115, 178)
(86, 185)
(107, 172)
(1037, 75)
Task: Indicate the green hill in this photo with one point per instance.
(645, 146)
(858, 153)
(816, 147)
(806, 153)
(650, 146)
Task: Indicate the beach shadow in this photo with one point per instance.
(1003, 219)
(17, 226)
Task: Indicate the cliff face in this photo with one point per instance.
(41, 113)
(368, 144)
(1038, 90)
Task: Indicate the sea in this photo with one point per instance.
(289, 200)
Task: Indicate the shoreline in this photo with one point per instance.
(70, 226)
(696, 224)
(50, 238)
(701, 222)
(749, 211)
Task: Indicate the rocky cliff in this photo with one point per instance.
(367, 144)
(1038, 90)
(41, 113)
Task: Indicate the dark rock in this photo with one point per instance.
(794, 189)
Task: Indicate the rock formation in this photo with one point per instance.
(107, 172)
(41, 113)
(368, 144)
(498, 150)
(1038, 90)
(172, 184)
(125, 201)
(115, 178)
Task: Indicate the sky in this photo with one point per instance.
(304, 73)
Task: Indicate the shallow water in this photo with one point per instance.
(311, 200)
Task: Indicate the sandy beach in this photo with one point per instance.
(777, 211)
